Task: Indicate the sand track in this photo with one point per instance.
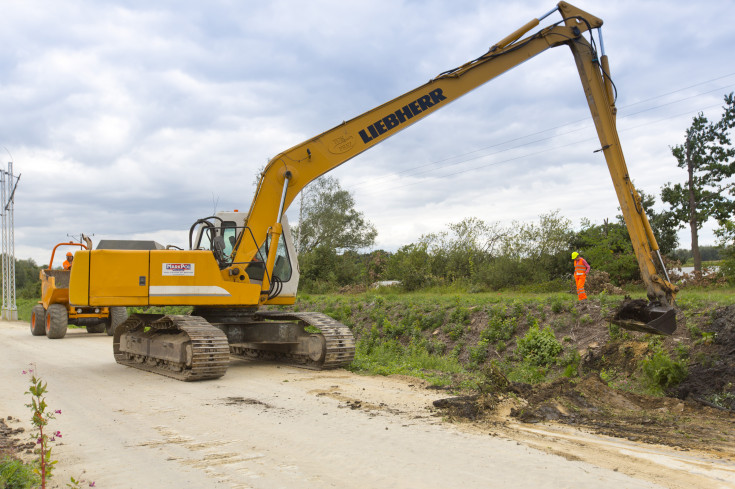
(269, 426)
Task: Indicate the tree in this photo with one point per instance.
(607, 247)
(708, 156)
(664, 224)
(328, 218)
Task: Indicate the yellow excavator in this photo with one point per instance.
(238, 262)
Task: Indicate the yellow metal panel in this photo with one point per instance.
(194, 278)
(79, 282)
(281, 301)
(118, 278)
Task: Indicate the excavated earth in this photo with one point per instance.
(683, 418)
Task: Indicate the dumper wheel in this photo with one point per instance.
(38, 320)
(117, 316)
(96, 328)
(57, 320)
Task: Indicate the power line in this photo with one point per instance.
(415, 169)
(545, 150)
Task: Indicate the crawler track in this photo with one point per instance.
(209, 356)
(338, 348)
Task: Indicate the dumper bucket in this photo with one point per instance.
(640, 315)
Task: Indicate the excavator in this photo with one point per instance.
(238, 262)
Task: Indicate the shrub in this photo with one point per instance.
(539, 347)
(661, 372)
(14, 474)
(478, 354)
(499, 329)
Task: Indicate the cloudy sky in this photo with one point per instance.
(131, 119)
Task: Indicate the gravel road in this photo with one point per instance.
(266, 426)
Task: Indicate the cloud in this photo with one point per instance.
(131, 118)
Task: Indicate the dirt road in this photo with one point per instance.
(269, 426)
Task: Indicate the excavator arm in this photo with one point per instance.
(289, 172)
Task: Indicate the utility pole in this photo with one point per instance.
(8, 184)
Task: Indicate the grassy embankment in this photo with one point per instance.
(450, 337)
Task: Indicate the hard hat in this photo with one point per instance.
(574, 255)
(68, 253)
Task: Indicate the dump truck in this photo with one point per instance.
(53, 313)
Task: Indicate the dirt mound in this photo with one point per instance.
(11, 438)
(598, 282)
(712, 369)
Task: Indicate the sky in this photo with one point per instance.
(132, 119)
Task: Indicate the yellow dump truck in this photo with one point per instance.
(53, 313)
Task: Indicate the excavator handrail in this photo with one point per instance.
(53, 252)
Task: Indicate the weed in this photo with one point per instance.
(454, 331)
(527, 373)
(724, 399)
(557, 306)
(661, 372)
(14, 474)
(539, 347)
(457, 350)
(614, 331)
(499, 328)
(393, 331)
(390, 357)
(436, 347)
(707, 338)
(460, 315)
(571, 362)
(41, 415)
(478, 353)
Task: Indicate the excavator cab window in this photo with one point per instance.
(281, 269)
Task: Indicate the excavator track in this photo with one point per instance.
(203, 346)
(337, 347)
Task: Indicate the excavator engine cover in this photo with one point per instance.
(640, 315)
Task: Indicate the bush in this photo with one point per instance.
(661, 372)
(14, 474)
(539, 347)
(499, 329)
(478, 354)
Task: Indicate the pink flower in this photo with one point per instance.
(58, 411)
(57, 434)
(91, 484)
(39, 441)
(24, 372)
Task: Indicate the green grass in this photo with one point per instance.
(391, 358)
(15, 474)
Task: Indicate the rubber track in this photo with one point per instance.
(210, 350)
(340, 342)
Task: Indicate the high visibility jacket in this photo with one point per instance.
(66, 265)
(581, 267)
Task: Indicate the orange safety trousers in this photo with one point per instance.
(580, 276)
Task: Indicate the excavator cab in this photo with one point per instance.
(224, 232)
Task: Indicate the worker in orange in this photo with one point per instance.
(69, 261)
(581, 269)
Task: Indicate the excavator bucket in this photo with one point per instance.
(640, 315)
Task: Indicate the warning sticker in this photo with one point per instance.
(178, 269)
